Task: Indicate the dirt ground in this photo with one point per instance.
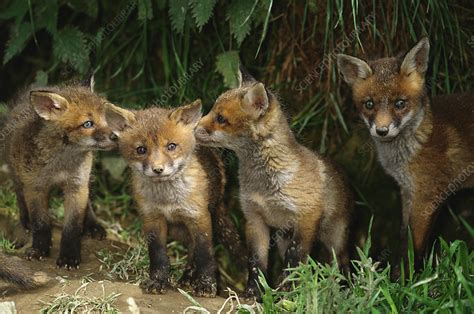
(62, 280)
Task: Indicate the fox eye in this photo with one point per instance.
(88, 124)
(141, 150)
(171, 146)
(221, 119)
(400, 104)
(369, 105)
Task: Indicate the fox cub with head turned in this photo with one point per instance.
(176, 185)
(426, 145)
(53, 132)
(283, 185)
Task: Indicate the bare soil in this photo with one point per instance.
(61, 280)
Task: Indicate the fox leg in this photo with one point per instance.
(204, 275)
(21, 202)
(334, 235)
(91, 226)
(75, 203)
(156, 231)
(258, 241)
(186, 279)
(40, 224)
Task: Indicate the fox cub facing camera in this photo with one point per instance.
(283, 185)
(426, 145)
(175, 185)
(53, 132)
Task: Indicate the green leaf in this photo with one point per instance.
(17, 42)
(145, 10)
(227, 65)
(17, 10)
(239, 14)
(69, 46)
(177, 12)
(47, 16)
(202, 11)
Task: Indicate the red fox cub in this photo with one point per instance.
(53, 132)
(175, 185)
(426, 146)
(283, 185)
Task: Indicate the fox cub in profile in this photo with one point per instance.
(426, 146)
(283, 185)
(53, 132)
(175, 185)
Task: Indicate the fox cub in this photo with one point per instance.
(283, 185)
(53, 132)
(175, 185)
(426, 145)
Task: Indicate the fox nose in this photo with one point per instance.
(113, 137)
(158, 170)
(382, 131)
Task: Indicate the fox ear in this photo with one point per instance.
(352, 68)
(255, 101)
(244, 77)
(189, 114)
(48, 105)
(417, 58)
(118, 118)
(89, 81)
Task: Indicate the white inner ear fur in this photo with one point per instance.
(256, 100)
(417, 58)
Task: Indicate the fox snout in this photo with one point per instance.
(104, 138)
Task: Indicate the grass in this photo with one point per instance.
(80, 302)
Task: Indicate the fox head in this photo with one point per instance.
(157, 142)
(77, 111)
(388, 92)
(237, 114)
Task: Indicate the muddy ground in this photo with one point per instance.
(61, 280)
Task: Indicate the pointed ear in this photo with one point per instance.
(118, 118)
(352, 68)
(189, 114)
(244, 77)
(417, 58)
(255, 101)
(48, 105)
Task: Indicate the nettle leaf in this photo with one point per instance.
(19, 37)
(46, 16)
(69, 46)
(17, 10)
(145, 10)
(227, 64)
(239, 14)
(177, 12)
(90, 8)
(202, 11)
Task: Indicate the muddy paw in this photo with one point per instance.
(68, 262)
(204, 286)
(36, 254)
(285, 286)
(185, 280)
(95, 231)
(155, 286)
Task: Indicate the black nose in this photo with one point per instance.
(382, 131)
(113, 137)
(158, 170)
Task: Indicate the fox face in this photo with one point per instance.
(389, 92)
(234, 116)
(157, 143)
(79, 112)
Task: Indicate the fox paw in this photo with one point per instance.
(95, 231)
(155, 286)
(36, 253)
(68, 261)
(252, 293)
(204, 286)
